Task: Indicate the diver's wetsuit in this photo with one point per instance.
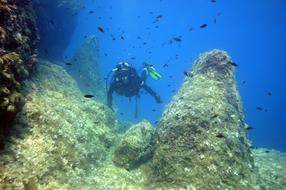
(126, 82)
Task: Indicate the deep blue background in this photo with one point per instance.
(252, 32)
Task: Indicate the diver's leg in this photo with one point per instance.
(109, 95)
(152, 93)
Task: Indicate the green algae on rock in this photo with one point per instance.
(89, 79)
(58, 137)
(134, 148)
(271, 165)
(201, 135)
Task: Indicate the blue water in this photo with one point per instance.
(252, 32)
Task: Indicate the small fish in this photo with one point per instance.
(105, 54)
(133, 58)
(156, 122)
(169, 85)
(69, 64)
(121, 113)
(52, 22)
(191, 29)
(214, 20)
(186, 73)
(170, 76)
(165, 65)
(220, 135)
(177, 39)
(122, 38)
(214, 116)
(153, 110)
(269, 94)
(145, 43)
(203, 26)
(259, 108)
(88, 96)
(139, 37)
(249, 128)
(267, 151)
(90, 12)
(213, 1)
(173, 91)
(243, 82)
(159, 17)
(232, 63)
(219, 14)
(100, 29)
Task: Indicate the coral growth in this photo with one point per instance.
(18, 38)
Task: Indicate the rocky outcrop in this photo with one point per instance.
(201, 136)
(85, 69)
(135, 147)
(18, 39)
(59, 138)
(56, 20)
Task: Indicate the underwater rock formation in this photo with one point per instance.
(134, 148)
(201, 136)
(271, 165)
(86, 71)
(18, 39)
(58, 137)
(56, 20)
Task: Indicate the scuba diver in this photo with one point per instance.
(126, 82)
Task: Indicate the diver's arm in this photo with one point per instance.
(152, 93)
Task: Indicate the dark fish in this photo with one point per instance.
(156, 26)
(133, 58)
(88, 96)
(159, 16)
(165, 65)
(249, 128)
(105, 54)
(220, 135)
(259, 108)
(69, 64)
(191, 29)
(52, 22)
(156, 122)
(150, 12)
(170, 76)
(214, 20)
(121, 113)
(100, 29)
(186, 73)
(90, 12)
(169, 85)
(232, 63)
(267, 151)
(139, 37)
(213, 1)
(177, 39)
(203, 26)
(214, 116)
(145, 43)
(122, 37)
(243, 82)
(153, 110)
(269, 94)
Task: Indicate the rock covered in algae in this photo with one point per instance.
(59, 136)
(134, 148)
(86, 60)
(271, 165)
(201, 141)
(18, 39)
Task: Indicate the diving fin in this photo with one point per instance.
(154, 74)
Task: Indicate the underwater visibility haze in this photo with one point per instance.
(133, 94)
